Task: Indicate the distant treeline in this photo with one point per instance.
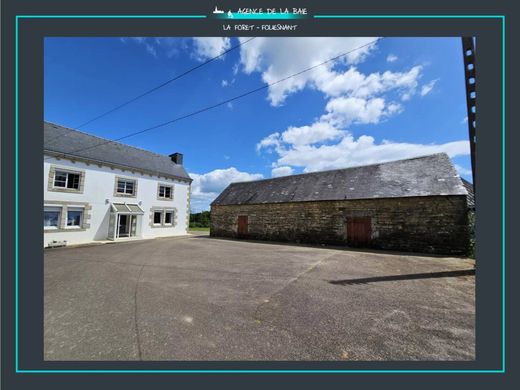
(200, 220)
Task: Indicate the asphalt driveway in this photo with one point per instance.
(201, 298)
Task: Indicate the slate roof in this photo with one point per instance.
(471, 193)
(69, 142)
(420, 176)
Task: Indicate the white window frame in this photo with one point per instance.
(59, 209)
(164, 196)
(160, 212)
(164, 217)
(82, 216)
(67, 173)
(120, 179)
(163, 212)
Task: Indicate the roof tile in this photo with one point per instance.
(420, 176)
(63, 140)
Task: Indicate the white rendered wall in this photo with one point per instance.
(99, 186)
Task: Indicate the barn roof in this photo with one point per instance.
(420, 176)
(73, 143)
(471, 193)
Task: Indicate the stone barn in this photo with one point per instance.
(415, 205)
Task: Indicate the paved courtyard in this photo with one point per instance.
(200, 298)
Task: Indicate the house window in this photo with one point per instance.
(168, 217)
(163, 217)
(125, 186)
(64, 179)
(74, 217)
(165, 192)
(51, 217)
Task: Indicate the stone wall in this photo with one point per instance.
(436, 224)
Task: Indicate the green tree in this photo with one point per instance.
(201, 219)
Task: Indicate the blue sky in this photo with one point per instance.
(395, 98)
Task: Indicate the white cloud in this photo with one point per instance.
(391, 58)
(166, 46)
(147, 43)
(340, 113)
(427, 88)
(236, 68)
(282, 171)
(206, 187)
(352, 97)
(169, 46)
(327, 145)
(218, 179)
(151, 49)
(276, 58)
(227, 83)
(344, 111)
(355, 83)
(464, 120)
(209, 47)
(350, 151)
(203, 48)
(463, 171)
(269, 142)
(304, 135)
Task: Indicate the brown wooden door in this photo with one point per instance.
(242, 225)
(359, 230)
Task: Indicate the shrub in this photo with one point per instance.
(472, 237)
(200, 220)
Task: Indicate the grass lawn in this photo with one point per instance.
(199, 229)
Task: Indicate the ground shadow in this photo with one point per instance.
(332, 247)
(426, 275)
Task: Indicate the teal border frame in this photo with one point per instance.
(502, 370)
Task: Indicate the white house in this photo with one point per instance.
(96, 190)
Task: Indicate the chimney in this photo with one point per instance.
(176, 158)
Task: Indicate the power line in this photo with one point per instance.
(162, 84)
(156, 88)
(221, 103)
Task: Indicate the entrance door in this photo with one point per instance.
(242, 225)
(359, 230)
(123, 225)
